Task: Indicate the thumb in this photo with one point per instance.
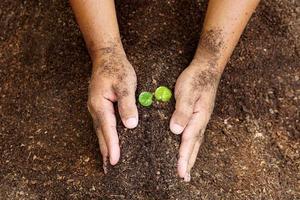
(128, 110)
(183, 112)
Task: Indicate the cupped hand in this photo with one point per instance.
(113, 80)
(195, 93)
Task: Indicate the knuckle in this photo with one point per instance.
(198, 137)
(123, 108)
(184, 114)
(187, 137)
(124, 91)
(182, 157)
(93, 104)
(111, 126)
(97, 129)
(91, 108)
(193, 137)
(121, 91)
(185, 105)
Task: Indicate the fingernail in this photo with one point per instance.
(176, 129)
(131, 122)
(187, 177)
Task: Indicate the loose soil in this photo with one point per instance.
(47, 144)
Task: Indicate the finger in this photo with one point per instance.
(103, 149)
(128, 110)
(107, 120)
(195, 152)
(191, 138)
(194, 155)
(185, 151)
(101, 141)
(182, 114)
(191, 162)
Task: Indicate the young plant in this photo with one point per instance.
(145, 99)
(163, 94)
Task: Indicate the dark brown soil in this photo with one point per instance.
(47, 145)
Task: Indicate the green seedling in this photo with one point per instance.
(145, 99)
(163, 94)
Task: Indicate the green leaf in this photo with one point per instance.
(145, 99)
(163, 94)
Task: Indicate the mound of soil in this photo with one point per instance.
(48, 147)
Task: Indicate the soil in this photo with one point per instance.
(47, 144)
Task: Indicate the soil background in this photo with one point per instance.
(48, 149)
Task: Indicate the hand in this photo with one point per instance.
(113, 80)
(195, 93)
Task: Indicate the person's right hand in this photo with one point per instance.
(113, 80)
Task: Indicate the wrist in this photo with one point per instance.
(111, 59)
(211, 64)
(107, 49)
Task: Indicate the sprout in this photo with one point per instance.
(145, 99)
(163, 94)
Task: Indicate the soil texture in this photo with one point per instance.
(48, 147)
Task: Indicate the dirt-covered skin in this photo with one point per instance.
(113, 79)
(50, 150)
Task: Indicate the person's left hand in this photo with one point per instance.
(195, 93)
